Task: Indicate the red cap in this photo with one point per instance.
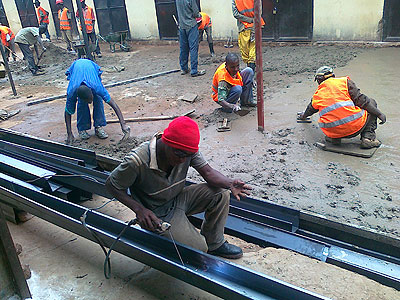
(182, 133)
(59, 1)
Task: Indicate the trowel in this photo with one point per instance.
(242, 112)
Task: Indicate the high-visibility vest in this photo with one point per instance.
(205, 21)
(338, 116)
(246, 7)
(4, 30)
(63, 17)
(88, 15)
(46, 16)
(222, 74)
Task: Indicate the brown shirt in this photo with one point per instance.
(148, 184)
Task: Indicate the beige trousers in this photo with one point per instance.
(67, 37)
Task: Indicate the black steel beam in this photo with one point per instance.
(207, 272)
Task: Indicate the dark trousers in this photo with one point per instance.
(46, 33)
(92, 37)
(368, 130)
(28, 56)
(189, 43)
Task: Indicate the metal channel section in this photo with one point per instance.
(264, 223)
(217, 276)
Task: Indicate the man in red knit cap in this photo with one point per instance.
(155, 172)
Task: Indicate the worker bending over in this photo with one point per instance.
(85, 87)
(155, 174)
(30, 36)
(7, 38)
(229, 85)
(205, 24)
(344, 112)
(243, 11)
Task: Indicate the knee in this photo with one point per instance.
(236, 90)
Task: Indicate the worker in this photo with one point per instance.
(43, 18)
(188, 12)
(30, 36)
(64, 15)
(90, 20)
(344, 112)
(85, 87)
(243, 11)
(155, 174)
(7, 38)
(229, 85)
(206, 25)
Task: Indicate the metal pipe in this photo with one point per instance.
(7, 67)
(48, 99)
(259, 65)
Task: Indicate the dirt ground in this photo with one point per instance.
(282, 164)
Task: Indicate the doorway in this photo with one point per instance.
(391, 21)
(27, 13)
(111, 16)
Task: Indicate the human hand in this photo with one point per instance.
(148, 220)
(382, 117)
(126, 130)
(70, 139)
(236, 107)
(239, 189)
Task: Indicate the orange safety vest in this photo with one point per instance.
(89, 19)
(223, 74)
(63, 17)
(338, 116)
(4, 30)
(46, 16)
(205, 21)
(246, 7)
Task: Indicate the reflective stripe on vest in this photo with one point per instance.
(205, 21)
(338, 116)
(63, 17)
(46, 16)
(246, 7)
(222, 74)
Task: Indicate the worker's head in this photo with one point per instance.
(323, 73)
(60, 3)
(37, 3)
(182, 138)
(42, 29)
(84, 93)
(232, 63)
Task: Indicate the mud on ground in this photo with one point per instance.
(282, 163)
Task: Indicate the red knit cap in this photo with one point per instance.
(182, 133)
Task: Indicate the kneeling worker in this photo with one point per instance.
(344, 112)
(155, 172)
(229, 85)
(85, 87)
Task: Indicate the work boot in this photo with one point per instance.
(199, 73)
(184, 72)
(101, 134)
(368, 143)
(211, 46)
(228, 251)
(84, 135)
(38, 72)
(336, 142)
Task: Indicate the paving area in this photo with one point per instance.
(282, 164)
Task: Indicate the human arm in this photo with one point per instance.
(40, 42)
(195, 9)
(238, 15)
(364, 101)
(217, 179)
(223, 91)
(70, 136)
(310, 110)
(125, 128)
(145, 217)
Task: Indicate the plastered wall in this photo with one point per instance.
(347, 20)
(142, 19)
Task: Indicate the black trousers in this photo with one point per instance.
(93, 38)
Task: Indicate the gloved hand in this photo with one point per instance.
(236, 107)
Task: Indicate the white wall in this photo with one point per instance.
(142, 19)
(12, 15)
(347, 20)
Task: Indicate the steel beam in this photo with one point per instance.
(207, 272)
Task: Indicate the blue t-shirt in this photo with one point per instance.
(87, 72)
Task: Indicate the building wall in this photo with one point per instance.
(344, 20)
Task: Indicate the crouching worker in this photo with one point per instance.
(155, 172)
(229, 85)
(344, 112)
(85, 87)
